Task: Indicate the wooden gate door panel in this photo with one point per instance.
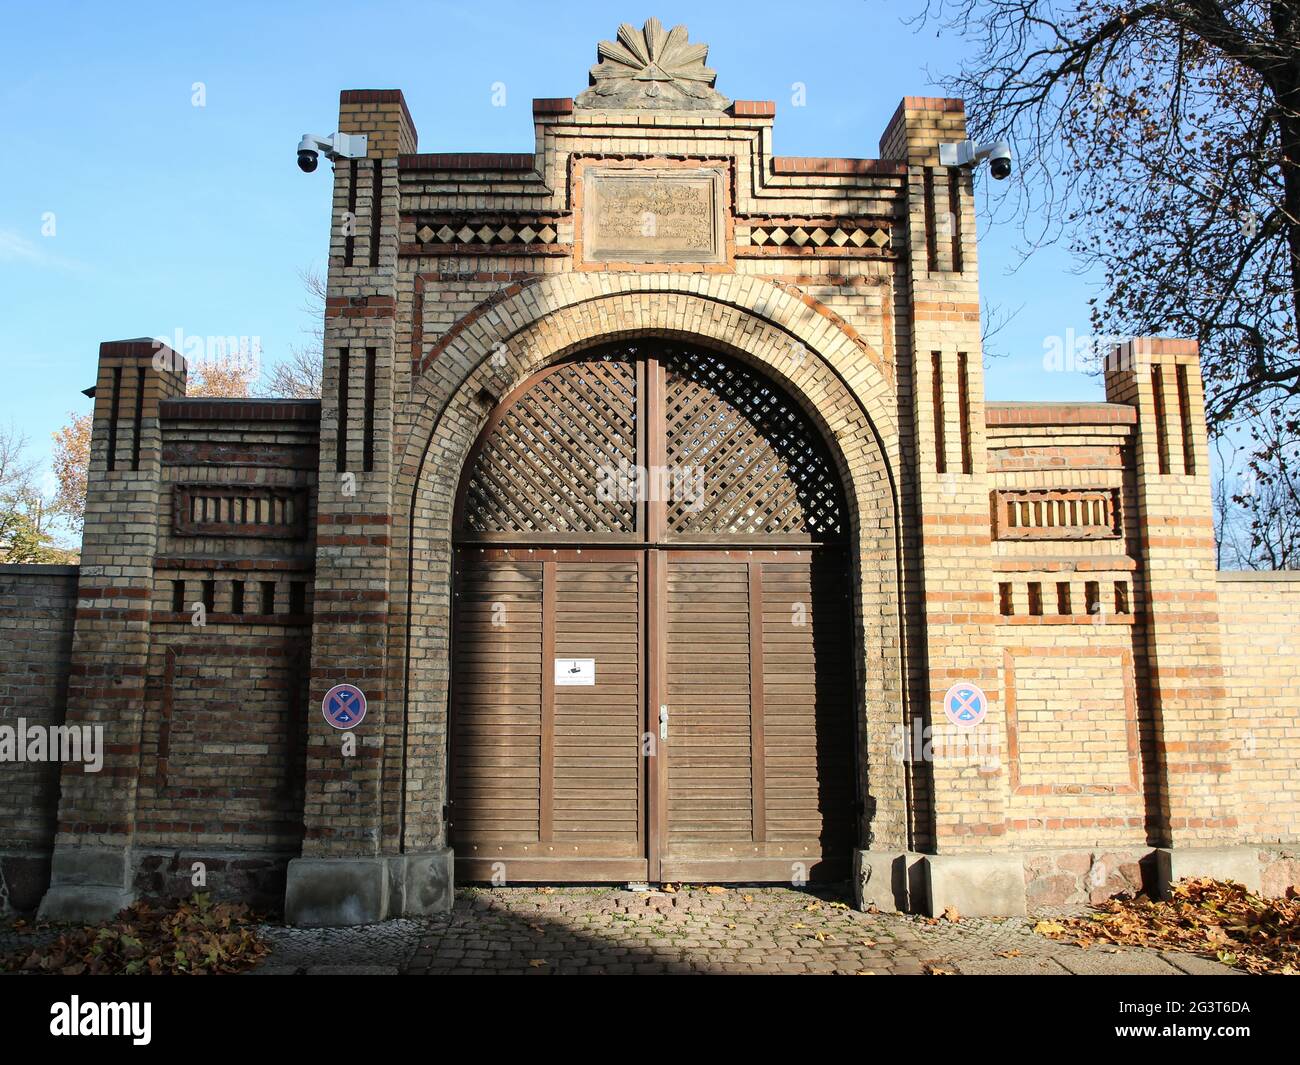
(759, 685)
(675, 518)
(597, 806)
(497, 662)
(808, 700)
(548, 781)
(709, 749)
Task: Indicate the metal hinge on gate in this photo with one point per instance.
(663, 722)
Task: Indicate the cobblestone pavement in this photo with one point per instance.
(539, 931)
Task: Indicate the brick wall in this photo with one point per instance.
(36, 616)
(222, 745)
(1260, 621)
(1065, 535)
(1056, 554)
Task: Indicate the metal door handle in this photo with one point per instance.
(663, 722)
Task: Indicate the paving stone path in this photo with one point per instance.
(543, 931)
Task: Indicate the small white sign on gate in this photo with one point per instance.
(575, 671)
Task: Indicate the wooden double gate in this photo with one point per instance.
(653, 639)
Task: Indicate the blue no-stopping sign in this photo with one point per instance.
(965, 705)
(344, 706)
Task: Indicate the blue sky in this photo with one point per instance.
(169, 216)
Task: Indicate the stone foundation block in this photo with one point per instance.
(428, 883)
(90, 884)
(1222, 863)
(881, 880)
(975, 885)
(1279, 872)
(336, 892)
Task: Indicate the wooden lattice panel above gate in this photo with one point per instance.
(650, 441)
(763, 468)
(545, 466)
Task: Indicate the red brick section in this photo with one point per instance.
(236, 453)
(1056, 564)
(553, 106)
(240, 410)
(499, 161)
(377, 96)
(360, 306)
(752, 109)
(790, 164)
(225, 565)
(1060, 414)
(133, 349)
(1049, 457)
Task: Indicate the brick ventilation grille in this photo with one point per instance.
(547, 465)
(209, 510)
(1056, 515)
(764, 469)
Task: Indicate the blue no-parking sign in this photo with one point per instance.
(344, 706)
(965, 705)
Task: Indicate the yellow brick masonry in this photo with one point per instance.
(1126, 730)
(1192, 792)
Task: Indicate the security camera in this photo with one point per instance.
(1000, 161)
(339, 146)
(970, 154)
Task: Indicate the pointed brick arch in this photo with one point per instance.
(840, 382)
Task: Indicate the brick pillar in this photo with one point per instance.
(1190, 803)
(350, 871)
(950, 486)
(91, 876)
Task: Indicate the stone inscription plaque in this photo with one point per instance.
(661, 216)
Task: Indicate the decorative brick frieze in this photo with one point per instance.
(1056, 514)
(239, 510)
(827, 238)
(471, 234)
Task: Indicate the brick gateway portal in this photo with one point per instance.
(792, 347)
(652, 651)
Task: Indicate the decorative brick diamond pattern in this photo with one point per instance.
(482, 232)
(826, 236)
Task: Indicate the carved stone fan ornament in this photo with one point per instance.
(651, 68)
